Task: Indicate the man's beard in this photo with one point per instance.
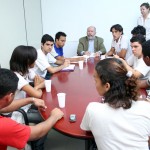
(91, 37)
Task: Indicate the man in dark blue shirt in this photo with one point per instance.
(60, 39)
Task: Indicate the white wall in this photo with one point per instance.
(33, 18)
(73, 18)
(19, 27)
(12, 28)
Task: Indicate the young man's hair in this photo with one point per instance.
(117, 27)
(138, 38)
(45, 38)
(8, 82)
(21, 58)
(138, 30)
(59, 34)
(146, 48)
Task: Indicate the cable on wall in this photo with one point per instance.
(25, 22)
(41, 15)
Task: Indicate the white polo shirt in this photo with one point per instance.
(145, 24)
(123, 43)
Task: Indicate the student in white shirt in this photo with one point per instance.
(21, 63)
(44, 58)
(146, 58)
(120, 44)
(121, 122)
(135, 63)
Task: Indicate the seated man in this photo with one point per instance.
(120, 44)
(135, 63)
(138, 30)
(91, 43)
(146, 58)
(44, 58)
(57, 52)
(12, 133)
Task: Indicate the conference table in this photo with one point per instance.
(80, 90)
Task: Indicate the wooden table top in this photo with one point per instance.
(80, 89)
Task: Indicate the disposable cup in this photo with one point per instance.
(86, 57)
(80, 65)
(48, 85)
(61, 99)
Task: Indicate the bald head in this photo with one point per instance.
(91, 31)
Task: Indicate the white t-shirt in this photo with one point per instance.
(53, 52)
(51, 58)
(145, 24)
(118, 129)
(41, 64)
(123, 43)
(139, 65)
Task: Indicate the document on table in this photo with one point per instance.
(74, 62)
(69, 68)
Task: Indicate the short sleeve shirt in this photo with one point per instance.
(59, 50)
(123, 43)
(139, 65)
(118, 129)
(41, 64)
(13, 134)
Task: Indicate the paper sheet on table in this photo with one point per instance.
(74, 62)
(69, 68)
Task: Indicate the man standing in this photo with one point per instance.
(91, 43)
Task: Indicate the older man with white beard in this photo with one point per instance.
(91, 44)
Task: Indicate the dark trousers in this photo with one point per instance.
(38, 144)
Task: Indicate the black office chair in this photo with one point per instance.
(33, 116)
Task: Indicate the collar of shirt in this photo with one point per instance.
(119, 40)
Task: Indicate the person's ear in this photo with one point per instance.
(10, 97)
(107, 86)
(147, 58)
(56, 40)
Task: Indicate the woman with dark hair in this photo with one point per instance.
(121, 122)
(21, 62)
(144, 19)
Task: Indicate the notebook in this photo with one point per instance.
(69, 68)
